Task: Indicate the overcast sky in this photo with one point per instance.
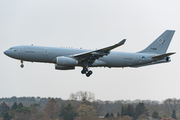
(89, 24)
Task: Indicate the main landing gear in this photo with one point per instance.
(21, 64)
(86, 71)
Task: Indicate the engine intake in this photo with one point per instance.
(66, 61)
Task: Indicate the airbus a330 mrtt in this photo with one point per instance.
(69, 58)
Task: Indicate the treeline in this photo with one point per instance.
(83, 106)
(27, 101)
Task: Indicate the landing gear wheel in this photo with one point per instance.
(87, 74)
(86, 71)
(90, 72)
(21, 65)
(83, 72)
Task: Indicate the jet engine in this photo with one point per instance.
(58, 67)
(66, 61)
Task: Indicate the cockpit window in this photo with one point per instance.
(12, 49)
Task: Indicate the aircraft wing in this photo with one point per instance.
(95, 54)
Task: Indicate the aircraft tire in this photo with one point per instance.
(21, 65)
(90, 72)
(87, 74)
(83, 72)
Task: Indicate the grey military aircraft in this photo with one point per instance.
(69, 58)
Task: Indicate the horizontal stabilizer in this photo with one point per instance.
(163, 55)
(154, 63)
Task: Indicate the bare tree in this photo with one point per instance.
(82, 96)
(172, 104)
(52, 108)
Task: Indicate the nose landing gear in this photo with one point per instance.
(86, 71)
(21, 64)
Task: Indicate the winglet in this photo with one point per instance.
(122, 42)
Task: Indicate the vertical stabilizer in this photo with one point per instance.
(161, 44)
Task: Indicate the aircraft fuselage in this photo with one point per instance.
(49, 55)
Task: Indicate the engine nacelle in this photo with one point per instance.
(66, 61)
(58, 67)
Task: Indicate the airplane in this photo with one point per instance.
(69, 58)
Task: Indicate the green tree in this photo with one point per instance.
(155, 114)
(139, 110)
(107, 115)
(14, 106)
(118, 114)
(67, 112)
(7, 116)
(38, 105)
(4, 108)
(122, 111)
(23, 109)
(130, 110)
(20, 105)
(127, 110)
(174, 114)
(112, 115)
(62, 108)
(22, 113)
(35, 107)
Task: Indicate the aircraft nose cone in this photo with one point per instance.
(6, 52)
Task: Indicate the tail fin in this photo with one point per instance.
(161, 44)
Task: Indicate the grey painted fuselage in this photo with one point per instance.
(49, 55)
(68, 58)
